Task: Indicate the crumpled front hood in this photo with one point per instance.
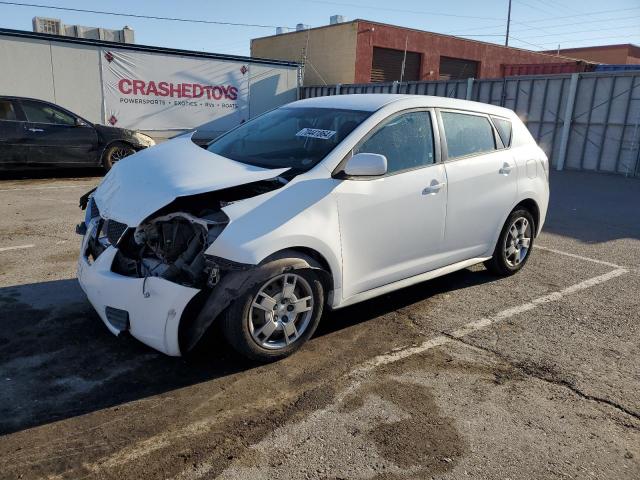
(145, 182)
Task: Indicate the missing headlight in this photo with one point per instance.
(172, 247)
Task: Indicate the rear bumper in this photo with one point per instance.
(154, 305)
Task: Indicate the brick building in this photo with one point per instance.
(621, 54)
(362, 51)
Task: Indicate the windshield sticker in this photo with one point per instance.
(316, 133)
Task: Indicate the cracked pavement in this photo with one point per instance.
(466, 376)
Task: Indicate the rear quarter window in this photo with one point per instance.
(505, 130)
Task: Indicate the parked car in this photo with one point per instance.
(324, 202)
(35, 133)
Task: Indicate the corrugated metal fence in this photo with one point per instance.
(584, 121)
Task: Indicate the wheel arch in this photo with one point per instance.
(204, 309)
(532, 207)
(313, 256)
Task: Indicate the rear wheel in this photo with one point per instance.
(114, 153)
(275, 318)
(514, 244)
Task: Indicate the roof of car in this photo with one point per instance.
(375, 101)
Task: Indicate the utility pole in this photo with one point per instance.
(506, 39)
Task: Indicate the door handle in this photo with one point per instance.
(433, 188)
(506, 169)
(36, 130)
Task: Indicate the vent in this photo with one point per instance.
(119, 319)
(114, 231)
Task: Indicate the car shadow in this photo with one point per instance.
(59, 361)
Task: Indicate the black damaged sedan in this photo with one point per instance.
(39, 134)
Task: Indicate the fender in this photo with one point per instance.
(238, 280)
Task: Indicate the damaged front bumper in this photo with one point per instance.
(149, 308)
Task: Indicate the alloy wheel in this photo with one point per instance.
(517, 242)
(119, 153)
(281, 311)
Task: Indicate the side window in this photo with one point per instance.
(406, 141)
(504, 130)
(7, 111)
(37, 112)
(467, 134)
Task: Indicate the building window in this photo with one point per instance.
(457, 68)
(386, 65)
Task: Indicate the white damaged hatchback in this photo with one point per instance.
(318, 204)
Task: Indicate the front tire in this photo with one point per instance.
(276, 317)
(114, 153)
(514, 244)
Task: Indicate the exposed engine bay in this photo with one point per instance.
(171, 243)
(172, 247)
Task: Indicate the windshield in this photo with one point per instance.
(296, 138)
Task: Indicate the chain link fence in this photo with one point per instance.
(583, 121)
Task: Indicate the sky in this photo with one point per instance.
(536, 24)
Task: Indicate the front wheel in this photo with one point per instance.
(275, 318)
(514, 244)
(114, 153)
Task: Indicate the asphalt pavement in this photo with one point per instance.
(466, 376)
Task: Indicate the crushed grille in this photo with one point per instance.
(114, 231)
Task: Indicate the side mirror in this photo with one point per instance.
(366, 165)
(80, 122)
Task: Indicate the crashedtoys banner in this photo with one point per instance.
(151, 92)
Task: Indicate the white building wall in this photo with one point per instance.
(77, 83)
(26, 68)
(69, 75)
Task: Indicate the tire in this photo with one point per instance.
(114, 152)
(249, 328)
(511, 253)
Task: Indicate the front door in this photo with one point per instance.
(482, 183)
(55, 137)
(392, 227)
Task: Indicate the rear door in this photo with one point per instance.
(12, 141)
(54, 136)
(482, 184)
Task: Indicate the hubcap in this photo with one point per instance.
(517, 242)
(281, 311)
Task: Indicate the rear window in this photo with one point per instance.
(504, 130)
(6, 110)
(467, 134)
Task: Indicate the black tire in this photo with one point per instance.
(499, 264)
(236, 319)
(114, 152)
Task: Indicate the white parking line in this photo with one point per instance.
(578, 257)
(53, 187)
(474, 326)
(16, 247)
